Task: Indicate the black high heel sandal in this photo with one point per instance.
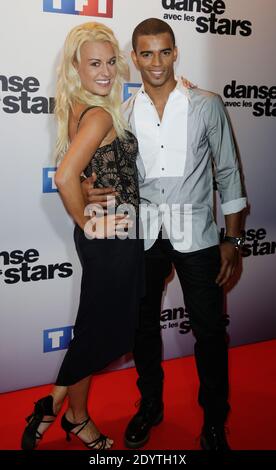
(68, 427)
(43, 407)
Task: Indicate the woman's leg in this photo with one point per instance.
(77, 414)
(43, 415)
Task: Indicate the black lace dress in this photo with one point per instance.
(112, 278)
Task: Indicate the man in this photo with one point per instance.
(184, 137)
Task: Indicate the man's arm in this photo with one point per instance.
(228, 252)
(226, 164)
(227, 175)
(102, 196)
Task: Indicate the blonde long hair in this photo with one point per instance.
(70, 89)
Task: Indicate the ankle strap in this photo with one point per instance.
(83, 424)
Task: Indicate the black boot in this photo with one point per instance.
(213, 437)
(43, 407)
(138, 430)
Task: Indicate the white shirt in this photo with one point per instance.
(176, 162)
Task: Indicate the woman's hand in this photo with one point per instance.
(100, 225)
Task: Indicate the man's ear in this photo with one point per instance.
(134, 59)
(175, 53)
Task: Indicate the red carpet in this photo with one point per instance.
(252, 422)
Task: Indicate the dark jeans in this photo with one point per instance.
(203, 298)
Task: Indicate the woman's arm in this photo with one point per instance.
(93, 129)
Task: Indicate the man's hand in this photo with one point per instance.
(229, 260)
(101, 224)
(187, 83)
(102, 196)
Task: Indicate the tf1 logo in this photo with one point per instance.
(48, 179)
(130, 89)
(57, 338)
(103, 8)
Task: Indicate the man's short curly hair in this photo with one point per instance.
(151, 26)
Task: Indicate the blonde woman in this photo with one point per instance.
(92, 137)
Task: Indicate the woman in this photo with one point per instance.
(92, 136)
